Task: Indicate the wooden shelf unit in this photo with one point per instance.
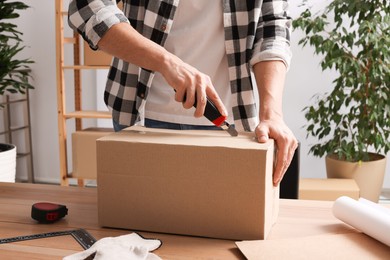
(76, 68)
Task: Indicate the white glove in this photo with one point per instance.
(127, 247)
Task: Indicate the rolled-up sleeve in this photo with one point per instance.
(92, 18)
(273, 33)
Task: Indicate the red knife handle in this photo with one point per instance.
(211, 112)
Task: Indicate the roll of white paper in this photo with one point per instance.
(365, 217)
(375, 206)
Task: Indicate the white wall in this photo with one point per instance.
(38, 24)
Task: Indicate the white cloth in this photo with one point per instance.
(197, 37)
(126, 247)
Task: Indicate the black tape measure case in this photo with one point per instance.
(47, 212)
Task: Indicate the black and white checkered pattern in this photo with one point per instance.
(255, 30)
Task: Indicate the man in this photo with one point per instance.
(173, 53)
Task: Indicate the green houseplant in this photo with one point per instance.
(14, 72)
(14, 75)
(352, 121)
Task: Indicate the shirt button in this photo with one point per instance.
(163, 27)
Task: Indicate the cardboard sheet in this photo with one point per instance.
(337, 246)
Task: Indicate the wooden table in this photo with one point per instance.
(297, 218)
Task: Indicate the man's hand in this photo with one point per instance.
(285, 141)
(190, 84)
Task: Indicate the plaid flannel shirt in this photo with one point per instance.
(255, 30)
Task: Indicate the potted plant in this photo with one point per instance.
(14, 74)
(352, 120)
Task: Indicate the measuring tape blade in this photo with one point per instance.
(82, 236)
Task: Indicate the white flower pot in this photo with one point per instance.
(7, 162)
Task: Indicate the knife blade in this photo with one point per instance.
(211, 113)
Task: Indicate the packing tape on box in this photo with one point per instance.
(364, 215)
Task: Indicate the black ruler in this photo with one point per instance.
(82, 236)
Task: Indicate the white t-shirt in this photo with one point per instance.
(196, 37)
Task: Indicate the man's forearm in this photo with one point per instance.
(124, 42)
(270, 79)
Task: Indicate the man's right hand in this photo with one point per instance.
(190, 84)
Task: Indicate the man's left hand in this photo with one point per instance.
(285, 142)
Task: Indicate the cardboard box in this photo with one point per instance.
(84, 151)
(96, 58)
(327, 189)
(200, 183)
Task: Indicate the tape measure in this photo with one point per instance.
(47, 212)
(82, 236)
